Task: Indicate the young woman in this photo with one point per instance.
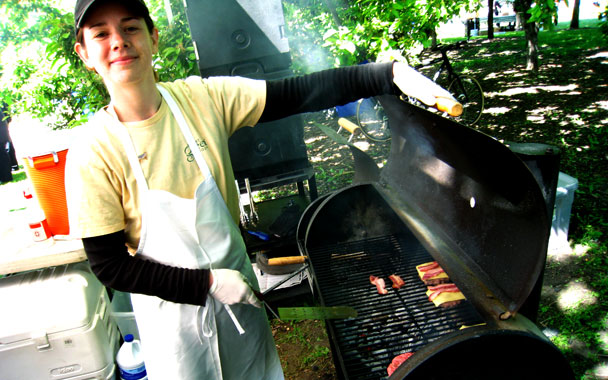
(151, 191)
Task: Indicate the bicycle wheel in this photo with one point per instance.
(372, 120)
(469, 93)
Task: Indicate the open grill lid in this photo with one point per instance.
(471, 202)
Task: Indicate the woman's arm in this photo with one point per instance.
(117, 269)
(326, 89)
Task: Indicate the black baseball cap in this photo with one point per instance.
(83, 6)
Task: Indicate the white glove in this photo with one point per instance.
(416, 85)
(230, 287)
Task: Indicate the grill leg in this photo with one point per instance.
(312, 187)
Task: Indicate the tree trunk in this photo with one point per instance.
(531, 30)
(334, 13)
(490, 19)
(575, 12)
(519, 20)
(434, 38)
(168, 11)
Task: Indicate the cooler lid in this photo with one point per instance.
(471, 201)
(48, 140)
(48, 301)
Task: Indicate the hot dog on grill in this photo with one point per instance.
(397, 360)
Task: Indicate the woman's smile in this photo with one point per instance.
(123, 60)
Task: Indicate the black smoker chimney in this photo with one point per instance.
(247, 38)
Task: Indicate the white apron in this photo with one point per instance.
(183, 341)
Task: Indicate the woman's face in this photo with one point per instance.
(118, 46)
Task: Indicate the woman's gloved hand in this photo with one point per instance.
(416, 85)
(230, 287)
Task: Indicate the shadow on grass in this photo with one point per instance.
(573, 307)
(565, 104)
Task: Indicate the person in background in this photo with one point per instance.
(497, 8)
(151, 190)
(8, 157)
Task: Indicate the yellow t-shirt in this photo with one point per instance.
(102, 192)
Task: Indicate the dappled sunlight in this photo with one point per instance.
(550, 107)
(314, 139)
(512, 92)
(567, 89)
(540, 115)
(509, 52)
(574, 295)
(493, 54)
(493, 75)
(524, 132)
(602, 104)
(572, 120)
(363, 145)
(551, 66)
(581, 249)
(329, 157)
(538, 119)
(576, 120)
(603, 336)
(496, 110)
(567, 253)
(506, 73)
(512, 72)
(602, 56)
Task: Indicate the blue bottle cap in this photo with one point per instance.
(129, 338)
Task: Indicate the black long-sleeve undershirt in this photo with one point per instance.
(326, 89)
(117, 269)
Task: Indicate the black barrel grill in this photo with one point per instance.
(247, 38)
(450, 194)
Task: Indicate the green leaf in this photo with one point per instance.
(349, 46)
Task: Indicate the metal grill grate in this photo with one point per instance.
(387, 325)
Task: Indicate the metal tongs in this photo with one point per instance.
(253, 215)
(251, 218)
(244, 216)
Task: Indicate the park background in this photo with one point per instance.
(563, 103)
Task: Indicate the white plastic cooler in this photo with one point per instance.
(55, 324)
(564, 197)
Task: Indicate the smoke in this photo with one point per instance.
(308, 57)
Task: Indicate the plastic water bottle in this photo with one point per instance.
(130, 360)
(36, 218)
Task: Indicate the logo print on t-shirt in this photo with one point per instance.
(202, 145)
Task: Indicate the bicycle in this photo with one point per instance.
(466, 90)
